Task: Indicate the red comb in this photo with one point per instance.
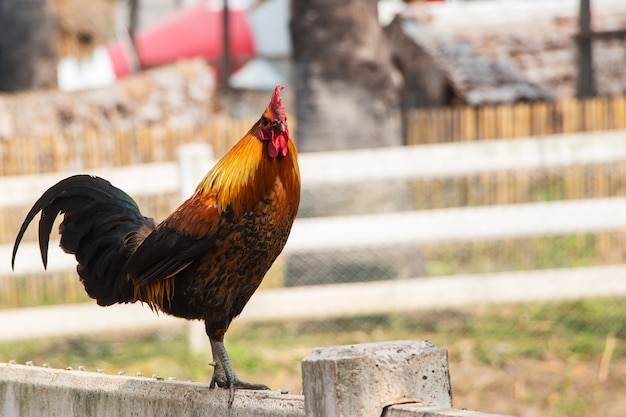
(276, 103)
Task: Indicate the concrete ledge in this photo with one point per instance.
(35, 391)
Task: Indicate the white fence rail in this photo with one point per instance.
(458, 224)
(460, 159)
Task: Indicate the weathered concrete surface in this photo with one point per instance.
(415, 410)
(362, 380)
(34, 391)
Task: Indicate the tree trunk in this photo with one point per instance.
(345, 97)
(27, 50)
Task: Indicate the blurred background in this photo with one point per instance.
(463, 167)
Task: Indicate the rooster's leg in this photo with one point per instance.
(224, 375)
(219, 376)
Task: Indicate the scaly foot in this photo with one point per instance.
(220, 379)
(239, 384)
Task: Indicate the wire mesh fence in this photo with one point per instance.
(570, 183)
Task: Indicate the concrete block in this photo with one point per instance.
(362, 380)
(418, 410)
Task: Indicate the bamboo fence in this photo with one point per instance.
(93, 149)
(511, 187)
(509, 121)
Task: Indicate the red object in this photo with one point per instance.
(192, 32)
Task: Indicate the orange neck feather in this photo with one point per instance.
(246, 173)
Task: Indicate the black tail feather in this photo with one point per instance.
(100, 227)
(49, 214)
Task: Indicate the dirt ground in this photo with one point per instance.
(532, 388)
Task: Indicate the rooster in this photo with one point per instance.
(207, 258)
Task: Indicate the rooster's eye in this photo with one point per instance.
(264, 121)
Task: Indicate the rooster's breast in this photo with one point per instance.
(223, 280)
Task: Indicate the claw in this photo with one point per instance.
(219, 380)
(238, 384)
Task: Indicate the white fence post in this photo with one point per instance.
(194, 161)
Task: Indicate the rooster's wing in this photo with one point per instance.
(177, 242)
